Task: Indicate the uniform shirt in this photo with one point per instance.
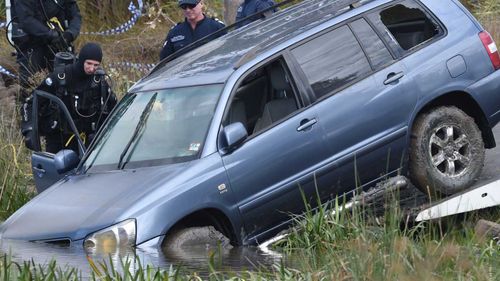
(32, 18)
(250, 7)
(182, 34)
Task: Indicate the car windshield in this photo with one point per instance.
(155, 128)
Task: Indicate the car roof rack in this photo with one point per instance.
(262, 14)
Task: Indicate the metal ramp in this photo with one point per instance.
(477, 198)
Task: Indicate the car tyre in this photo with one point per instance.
(205, 237)
(446, 151)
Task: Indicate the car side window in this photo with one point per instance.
(332, 60)
(265, 97)
(375, 49)
(408, 24)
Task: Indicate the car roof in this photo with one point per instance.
(216, 60)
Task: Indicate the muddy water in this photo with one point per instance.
(228, 260)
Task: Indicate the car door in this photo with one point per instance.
(42, 162)
(363, 101)
(274, 167)
(414, 33)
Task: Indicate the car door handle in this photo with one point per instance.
(306, 124)
(393, 77)
(40, 172)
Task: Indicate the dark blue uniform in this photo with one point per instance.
(182, 34)
(250, 7)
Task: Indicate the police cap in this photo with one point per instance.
(189, 2)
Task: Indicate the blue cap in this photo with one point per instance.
(188, 2)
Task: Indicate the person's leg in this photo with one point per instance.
(54, 142)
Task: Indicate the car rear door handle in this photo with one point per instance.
(393, 77)
(306, 124)
(40, 172)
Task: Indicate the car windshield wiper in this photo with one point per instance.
(139, 129)
(98, 146)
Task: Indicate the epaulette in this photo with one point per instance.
(174, 26)
(218, 20)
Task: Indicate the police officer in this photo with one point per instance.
(85, 92)
(250, 7)
(49, 26)
(195, 26)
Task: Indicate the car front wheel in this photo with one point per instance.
(203, 237)
(446, 151)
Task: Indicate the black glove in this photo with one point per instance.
(68, 37)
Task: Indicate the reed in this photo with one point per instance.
(15, 176)
(359, 245)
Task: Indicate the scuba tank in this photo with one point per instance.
(63, 58)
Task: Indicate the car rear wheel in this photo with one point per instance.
(446, 151)
(204, 237)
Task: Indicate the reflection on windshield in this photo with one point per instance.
(154, 128)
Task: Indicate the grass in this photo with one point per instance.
(488, 13)
(15, 175)
(355, 245)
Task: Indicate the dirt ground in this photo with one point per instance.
(8, 92)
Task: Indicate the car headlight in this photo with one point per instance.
(109, 239)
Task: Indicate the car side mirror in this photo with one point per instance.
(233, 135)
(65, 160)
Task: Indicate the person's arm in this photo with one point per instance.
(49, 84)
(25, 10)
(239, 13)
(262, 5)
(220, 25)
(168, 47)
(111, 99)
(74, 20)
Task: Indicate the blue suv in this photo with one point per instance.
(317, 100)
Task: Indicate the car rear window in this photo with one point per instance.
(332, 60)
